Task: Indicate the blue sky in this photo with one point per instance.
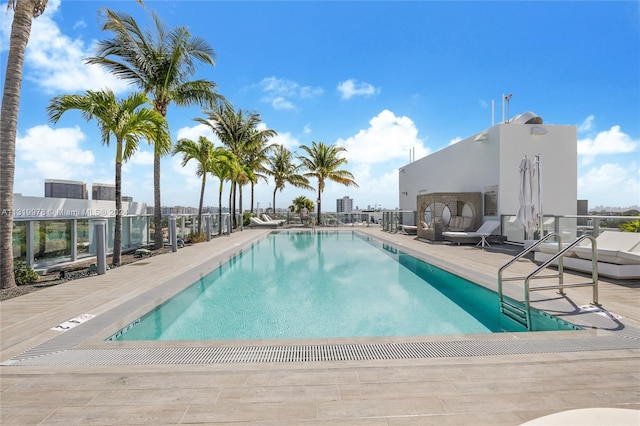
(379, 78)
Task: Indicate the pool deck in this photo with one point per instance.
(509, 388)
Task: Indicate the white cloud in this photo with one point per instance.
(388, 138)
(598, 183)
(483, 103)
(55, 61)
(196, 131)
(455, 140)
(144, 158)
(611, 141)
(286, 140)
(352, 87)
(280, 92)
(46, 153)
(310, 92)
(307, 129)
(281, 103)
(80, 25)
(587, 124)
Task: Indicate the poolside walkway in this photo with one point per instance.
(508, 388)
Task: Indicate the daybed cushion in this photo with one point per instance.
(611, 245)
(410, 229)
(611, 270)
(460, 223)
(552, 248)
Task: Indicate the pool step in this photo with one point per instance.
(515, 312)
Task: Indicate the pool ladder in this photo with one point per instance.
(520, 312)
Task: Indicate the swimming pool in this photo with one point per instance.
(294, 284)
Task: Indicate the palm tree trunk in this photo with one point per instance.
(20, 31)
(319, 206)
(220, 209)
(252, 195)
(232, 206)
(231, 211)
(158, 239)
(117, 233)
(274, 200)
(204, 181)
(241, 224)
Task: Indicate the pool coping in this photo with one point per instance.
(85, 345)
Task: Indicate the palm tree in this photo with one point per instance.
(161, 66)
(128, 123)
(301, 206)
(322, 163)
(257, 156)
(243, 175)
(236, 130)
(283, 170)
(222, 165)
(202, 152)
(24, 13)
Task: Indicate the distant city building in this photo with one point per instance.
(54, 188)
(166, 211)
(344, 205)
(103, 191)
(126, 198)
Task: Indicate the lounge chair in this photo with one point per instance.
(479, 236)
(618, 255)
(409, 229)
(256, 222)
(267, 218)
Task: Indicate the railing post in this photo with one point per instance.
(100, 233)
(560, 267)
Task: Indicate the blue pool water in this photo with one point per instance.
(325, 284)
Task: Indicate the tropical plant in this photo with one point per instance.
(283, 170)
(202, 152)
(127, 121)
(24, 13)
(161, 65)
(237, 130)
(301, 206)
(631, 226)
(322, 162)
(25, 274)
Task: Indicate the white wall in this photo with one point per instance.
(470, 166)
(466, 166)
(558, 162)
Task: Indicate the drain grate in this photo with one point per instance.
(316, 353)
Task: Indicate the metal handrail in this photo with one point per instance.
(558, 256)
(524, 253)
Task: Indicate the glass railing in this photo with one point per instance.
(569, 227)
(47, 242)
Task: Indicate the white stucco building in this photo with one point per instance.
(488, 162)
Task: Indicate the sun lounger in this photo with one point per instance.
(409, 229)
(479, 237)
(256, 222)
(618, 255)
(267, 218)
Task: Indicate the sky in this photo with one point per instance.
(382, 79)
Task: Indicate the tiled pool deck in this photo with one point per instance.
(489, 379)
